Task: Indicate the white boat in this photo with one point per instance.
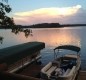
(64, 67)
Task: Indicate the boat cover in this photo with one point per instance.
(69, 47)
(12, 54)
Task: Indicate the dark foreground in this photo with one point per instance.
(32, 70)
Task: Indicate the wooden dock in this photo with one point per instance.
(81, 75)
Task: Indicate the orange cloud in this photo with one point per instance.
(43, 15)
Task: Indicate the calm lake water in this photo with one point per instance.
(51, 38)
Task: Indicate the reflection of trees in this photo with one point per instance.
(1, 39)
(27, 32)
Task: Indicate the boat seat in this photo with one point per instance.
(68, 75)
(46, 67)
(67, 72)
(50, 70)
(71, 56)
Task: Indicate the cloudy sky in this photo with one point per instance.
(48, 11)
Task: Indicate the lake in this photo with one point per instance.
(52, 38)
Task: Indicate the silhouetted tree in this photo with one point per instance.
(8, 22)
(4, 19)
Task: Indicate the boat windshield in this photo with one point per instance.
(66, 47)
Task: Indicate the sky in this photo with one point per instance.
(28, 12)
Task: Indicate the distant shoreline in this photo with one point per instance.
(45, 25)
(73, 25)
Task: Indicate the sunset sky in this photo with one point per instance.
(27, 12)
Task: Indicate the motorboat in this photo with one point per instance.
(63, 67)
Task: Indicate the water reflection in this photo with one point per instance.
(27, 32)
(51, 37)
(55, 37)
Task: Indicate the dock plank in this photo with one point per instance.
(32, 70)
(82, 75)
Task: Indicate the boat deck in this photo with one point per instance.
(82, 75)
